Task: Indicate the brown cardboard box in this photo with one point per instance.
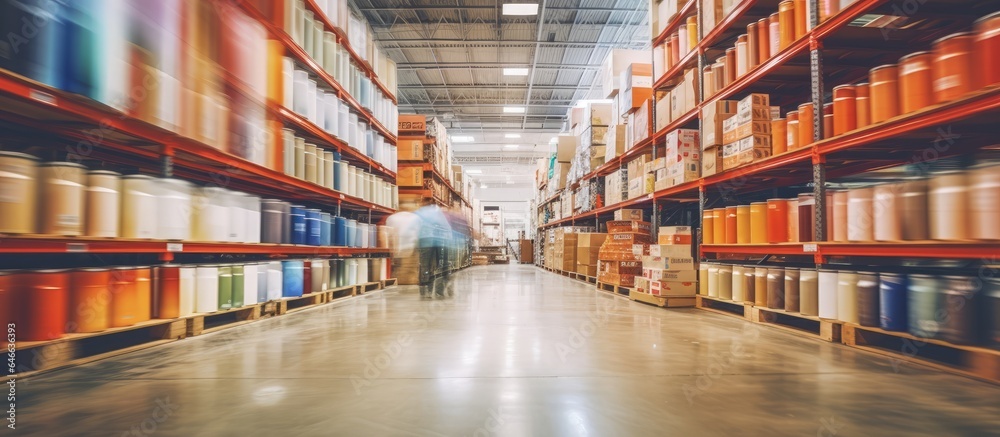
(410, 150)
(627, 226)
(615, 141)
(412, 123)
(690, 86)
(673, 288)
(712, 116)
(591, 239)
(588, 255)
(674, 250)
(410, 177)
(680, 144)
(654, 274)
(669, 262)
(711, 161)
(587, 269)
(632, 99)
(746, 151)
(663, 115)
(566, 148)
(628, 214)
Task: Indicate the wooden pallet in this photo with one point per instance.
(662, 301)
(823, 329)
(973, 361)
(386, 283)
(614, 289)
(204, 323)
(727, 307)
(37, 357)
(370, 286)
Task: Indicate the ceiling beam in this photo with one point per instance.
(488, 65)
(419, 43)
(506, 86)
(452, 8)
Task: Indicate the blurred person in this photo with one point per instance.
(435, 236)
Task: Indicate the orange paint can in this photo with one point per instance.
(708, 227)
(43, 301)
(731, 226)
(827, 120)
(845, 113)
(792, 130)
(90, 300)
(758, 223)
(987, 46)
(763, 40)
(777, 220)
(779, 136)
(167, 291)
(786, 24)
(861, 98)
(123, 299)
(743, 224)
(806, 128)
(801, 20)
(954, 73)
(884, 84)
(719, 225)
(143, 294)
(916, 89)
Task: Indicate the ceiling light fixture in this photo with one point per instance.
(520, 8)
(554, 140)
(483, 186)
(474, 171)
(510, 182)
(511, 146)
(584, 102)
(462, 139)
(515, 71)
(512, 135)
(513, 109)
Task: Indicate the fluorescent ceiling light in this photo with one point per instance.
(554, 140)
(461, 139)
(474, 171)
(511, 146)
(510, 182)
(515, 71)
(512, 135)
(520, 8)
(482, 186)
(513, 109)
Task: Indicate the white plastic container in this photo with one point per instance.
(236, 204)
(251, 207)
(62, 188)
(188, 287)
(103, 204)
(275, 281)
(139, 202)
(174, 206)
(207, 289)
(211, 215)
(250, 284)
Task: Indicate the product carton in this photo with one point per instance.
(711, 161)
(670, 250)
(673, 288)
(668, 263)
(713, 115)
(654, 274)
(566, 148)
(628, 214)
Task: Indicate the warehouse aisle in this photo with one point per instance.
(515, 351)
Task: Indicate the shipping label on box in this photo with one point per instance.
(673, 288)
(668, 263)
(629, 239)
(669, 250)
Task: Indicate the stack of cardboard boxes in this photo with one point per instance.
(564, 251)
(669, 269)
(746, 136)
(683, 159)
(588, 248)
(618, 265)
(641, 181)
(712, 117)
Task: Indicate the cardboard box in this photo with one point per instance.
(623, 226)
(629, 214)
(637, 166)
(650, 183)
(616, 62)
(566, 148)
(586, 269)
(636, 187)
(676, 230)
(713, 116)
(668, 263)
(621, 267)
(629, 239)
(671, 250)
(746, 151)
(711, 161)
(410, 177)
(685, 171)
(662, 106)
(588, 255)
(641, 284)
(673, 239)
(560, 173)
(615, 141)
(681, 143)
(690, 90)
(410, 150)
(670, 275)
(590, 239)
(673, 288)
(633, 98)
(412, 123)
(637, 75)
(746, 106)
(616, 279)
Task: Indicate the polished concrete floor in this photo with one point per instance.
(515, 351)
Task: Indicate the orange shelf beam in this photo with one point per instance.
(45, 244)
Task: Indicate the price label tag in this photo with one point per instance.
(810, 248)
(175, 247)
(76, 247)
(42, 97)
(341, 195)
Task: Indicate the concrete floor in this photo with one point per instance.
(516, 352)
